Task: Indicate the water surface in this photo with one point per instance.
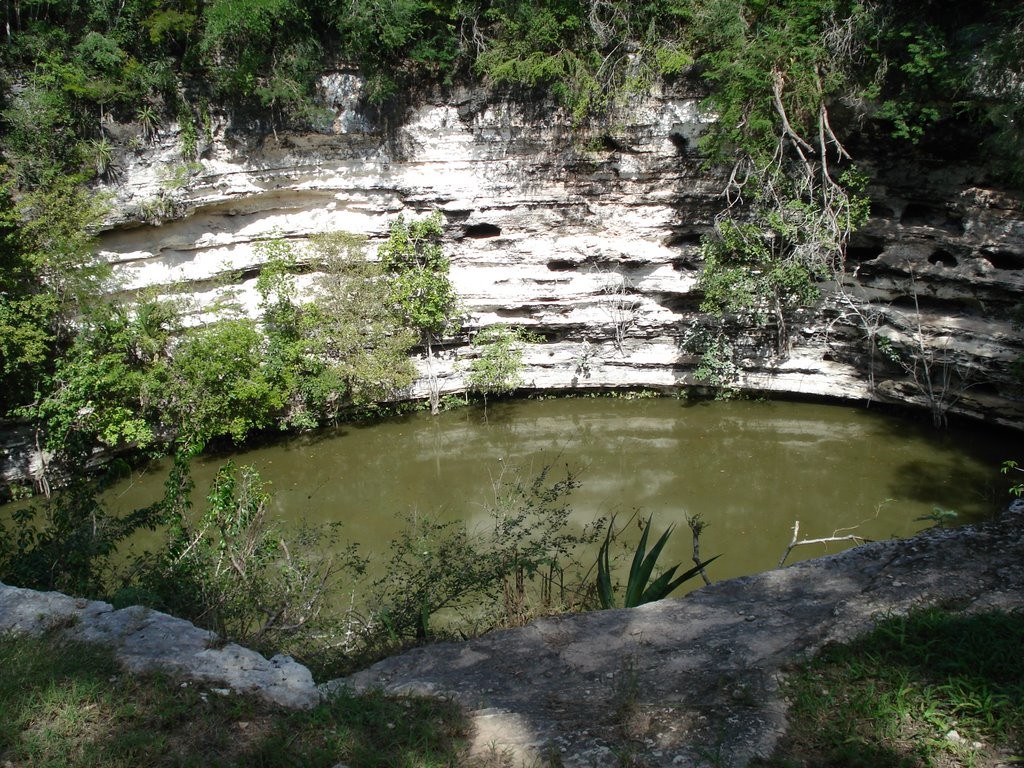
(750, 469)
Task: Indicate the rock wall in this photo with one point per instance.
(589, 237)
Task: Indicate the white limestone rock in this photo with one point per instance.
(144, 640)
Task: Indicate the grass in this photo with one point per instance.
(929, 689)
(70, 704)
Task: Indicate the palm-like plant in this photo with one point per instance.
(148, 121)
(640, 588)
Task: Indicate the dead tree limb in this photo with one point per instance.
(798, 542)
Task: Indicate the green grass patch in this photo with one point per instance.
(928, 689)
(70, 704)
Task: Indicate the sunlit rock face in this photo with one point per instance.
(590, 237)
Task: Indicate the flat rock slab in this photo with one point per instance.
(696, 681)
(145, 640)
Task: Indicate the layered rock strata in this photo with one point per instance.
(591, 238)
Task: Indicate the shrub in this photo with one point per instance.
(640, 588)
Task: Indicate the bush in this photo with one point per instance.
(230, 570)
(526, 563)
(69, 542)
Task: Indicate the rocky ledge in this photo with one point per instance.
(589, 236)
(145, 640)
(675, 680)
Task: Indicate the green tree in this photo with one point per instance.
(421, 289)
(357, 324)
(264, 50)
(497, 366)
(589, 55)
(48, 273)
(514, 568)
(220, 385)
(108, 387)
(794, 196)
(293, 357)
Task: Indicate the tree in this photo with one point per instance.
(421, 289)
(521, 557)
(295, 352)
(108, 386)
(220, 384)
(263, 49)
(356, 323)
(793, 197)
(749, 272)
(48, 273)
(939, 372)
(498, 364)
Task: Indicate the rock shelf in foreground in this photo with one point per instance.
(678, 679)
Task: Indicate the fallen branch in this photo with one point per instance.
(826, 540)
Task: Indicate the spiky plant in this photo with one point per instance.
(640, 588)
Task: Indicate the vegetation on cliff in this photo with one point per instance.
(795, 85)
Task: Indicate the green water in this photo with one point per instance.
(750, 469)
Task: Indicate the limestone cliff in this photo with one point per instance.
(590, 238)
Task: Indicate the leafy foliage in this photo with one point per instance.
(640, 587)
(48, 272)
(498, 363)
(589, 55)
(952, 70)
(134, 378)
(232, 571)
(519, 565)
(220, 384)
(356, 323)
(794, 196)
(421, 289)
(107, 387)
(68, 542)
(1017, 489)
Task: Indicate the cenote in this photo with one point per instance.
(749, 468)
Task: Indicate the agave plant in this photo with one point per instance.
(100, 154)
(148, 121)
(639, 587)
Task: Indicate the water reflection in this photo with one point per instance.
(750, 469)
